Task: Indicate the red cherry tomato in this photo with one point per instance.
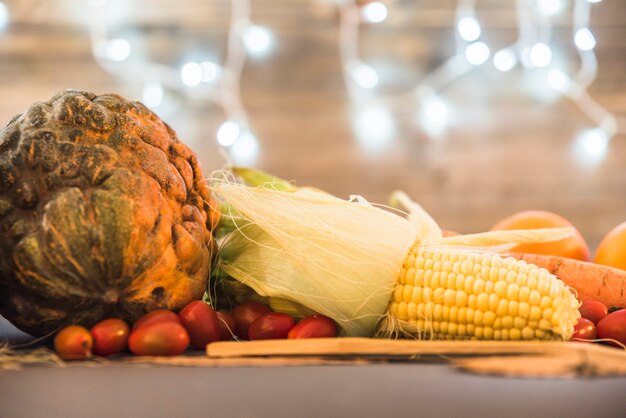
(245, 314)
(593, 310)
(160, 315)
(315, 326)
(271, 326)
(73, 343)
(159, 339)
(613, 326)
(584, 330)
(227, 325)
(200, 321)
(110, 336)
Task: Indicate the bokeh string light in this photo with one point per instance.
(531, 51)
(203, 79)
(4, 16)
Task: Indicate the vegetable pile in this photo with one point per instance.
(106, 222)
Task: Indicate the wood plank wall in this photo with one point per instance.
(505, 149)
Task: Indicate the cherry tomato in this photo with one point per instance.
(227, 325)
(315, 326)
(159, 339)
(613, 326)
(73, 343)
(593, 310)
(110, 336)
(160, 315)
(200, 321)
(584, 330)
(271, 326)
(245, 314)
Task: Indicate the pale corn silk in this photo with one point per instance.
(335, 257)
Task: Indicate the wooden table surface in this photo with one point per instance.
(506, 149)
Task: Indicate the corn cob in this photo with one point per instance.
(445, 294)
(348, 260)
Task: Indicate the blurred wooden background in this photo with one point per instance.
(505, 149)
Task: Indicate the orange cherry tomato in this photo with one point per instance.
(314, 326)
(167, 338)
(593, 310)
(245, 314)
(160, 315)
(110, 336)
(228, 325)
(201, 322)
(271, 326)
(73, 343)
(613, 326)
(584, 330)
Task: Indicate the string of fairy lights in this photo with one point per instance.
(532, 51)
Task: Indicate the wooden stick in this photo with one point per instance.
(389, 348)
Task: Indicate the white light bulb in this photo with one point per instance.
(375, 12)
(504, 60)
(540, 55)
(436, 110)
(550, 7)
(245, 150)
(591, 146)
(594, 1)
(4, 15)
(477, 53)
(558, 80)
(257, 40)
(584, 39)
(594, 142)
(118, 49)
(364, 75)
(191, 74)
(210, 71)
(228, 133)
(374, 128)
(469, 29)
(153, 94)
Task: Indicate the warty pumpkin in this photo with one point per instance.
(103, 212)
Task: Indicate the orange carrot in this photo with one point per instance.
(590, 280)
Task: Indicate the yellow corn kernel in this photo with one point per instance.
(437, 313)
(449, 297)
(489, 318)
(407, 293)
(534, 298)
(453, 315)
(419, 277)
(500, 289)
(459, 283)
(482, 302)
(445, 311)
(472, 301)
(412, 311)
(435, 280)
(438, 295)
(493, 302)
